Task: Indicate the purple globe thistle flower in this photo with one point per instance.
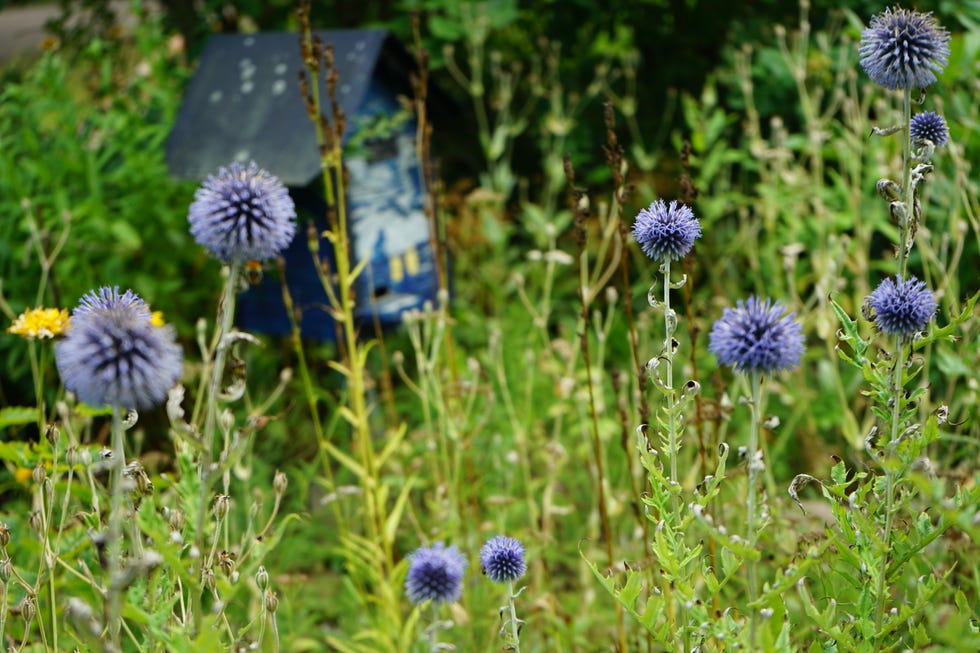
(242, 214)
(929, 126)
(113, 354)
(502, 559)
(757, 337)
(666, 232)
(902, 307)
(435, 573)
(904, 49)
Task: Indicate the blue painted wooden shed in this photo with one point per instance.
(244, 104)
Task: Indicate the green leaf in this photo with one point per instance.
(17, 415)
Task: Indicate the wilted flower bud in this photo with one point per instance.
(889, 190)
(271, 601)
(4, 535)
(36, 521)
(221, 504)
(28, 610)
(176, 519)
(280, 482)
(52, 434)
(226, 562)
(39, 474)
(207, 578)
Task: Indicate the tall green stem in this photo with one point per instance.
(897, 406)
(226, 319)
(670, 325)
(515, 625)
(113, 545)
(751, 528)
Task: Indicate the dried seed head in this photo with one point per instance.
(226, 562)
(39, 474)
(176, 519)
(207, 578)
(52, 434)
(28, 610)
(271, 601)
(36, 520)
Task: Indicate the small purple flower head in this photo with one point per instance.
(666, 232)
(242, 214)
(435, 574)
(904, 49)
(902, 307)
(929, 126)
(756, 337)
(502, 559)
(114, 355)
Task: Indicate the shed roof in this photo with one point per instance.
(243, 102)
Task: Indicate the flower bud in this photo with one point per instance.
(4, 535)
(280, 482)
(52, 434)
(176, 519)
(221, 504)
(36, 521)
(271, 601)
(39, 474)
(28, 610)
(262, 578)
(207, 578)
(6, 570)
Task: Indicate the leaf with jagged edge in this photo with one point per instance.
(949, 332)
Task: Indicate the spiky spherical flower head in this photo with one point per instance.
(502, 559)
(114, 355)
(902, 307)
(757, 336)
(929, 126)
(435, 573)
(666, 231)
(904, 49)
(242, 214)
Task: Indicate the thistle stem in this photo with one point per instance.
(755, 380)
(515, 625)
(897, 407)
(670, 325)
(113, 545)
(226, 319)
(909, 193)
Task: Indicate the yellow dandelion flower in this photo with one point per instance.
(40, 323)
(156, 318)
(23, 475)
